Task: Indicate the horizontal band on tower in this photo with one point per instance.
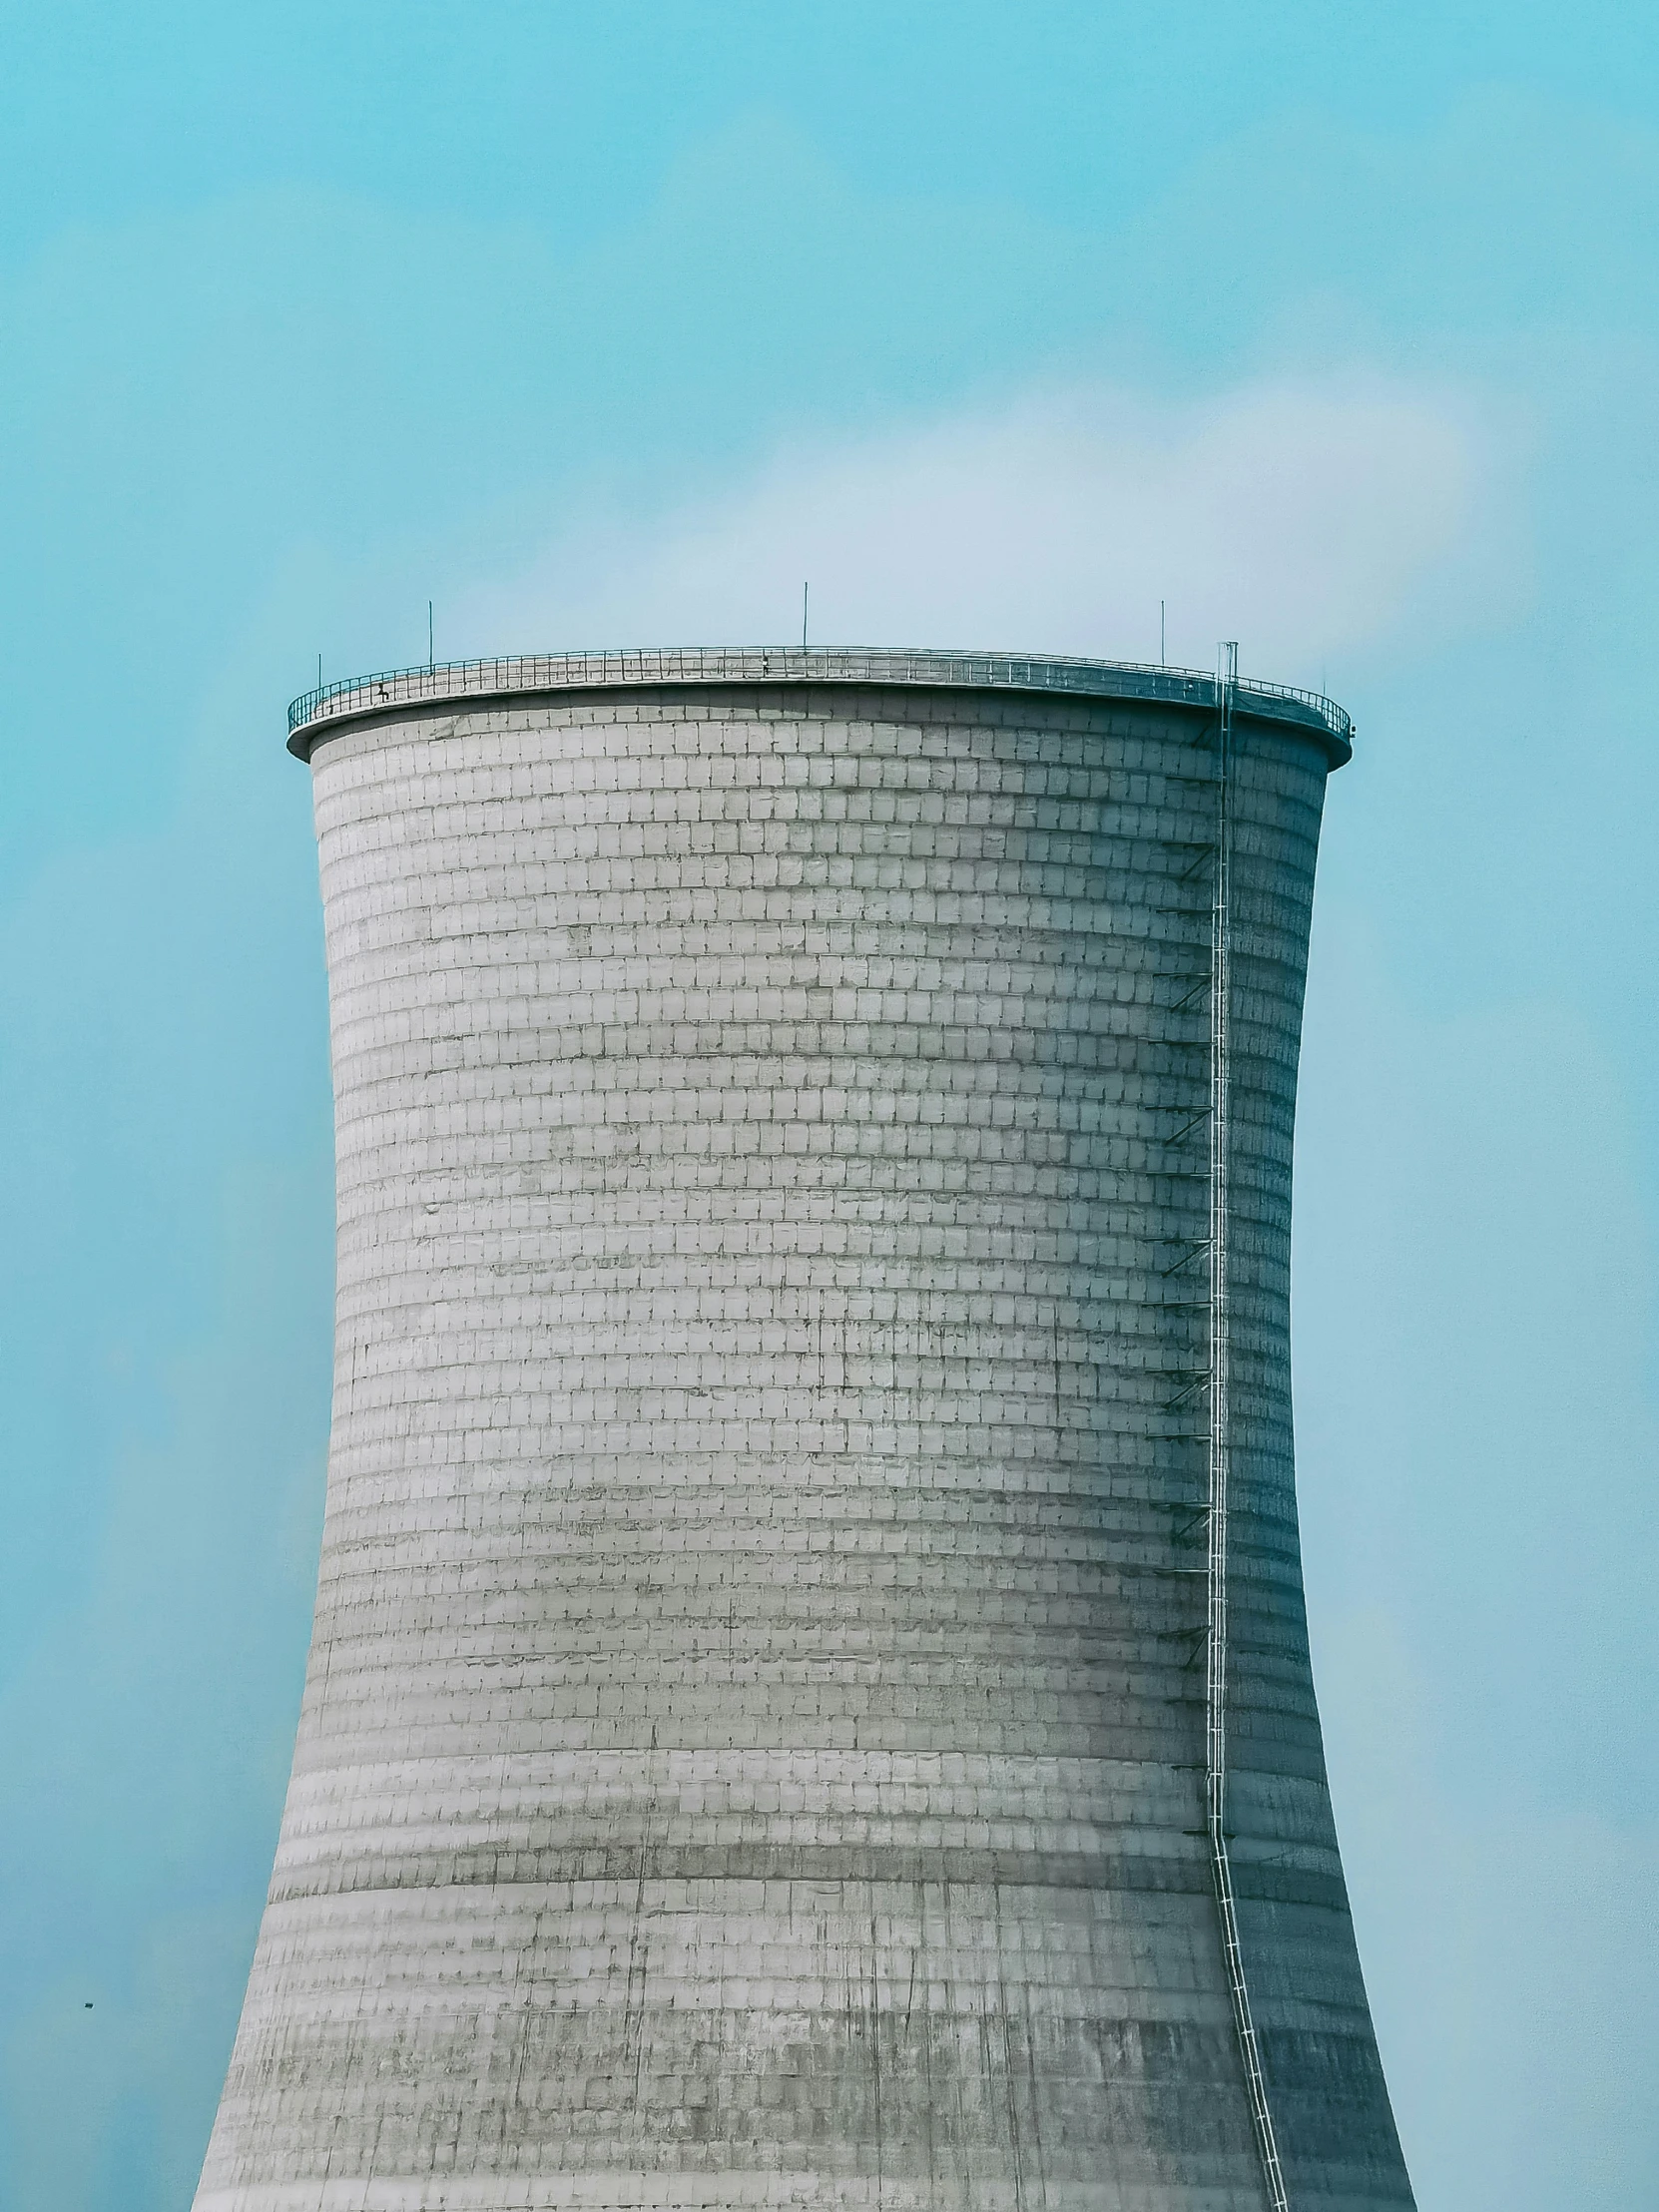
(317, 713)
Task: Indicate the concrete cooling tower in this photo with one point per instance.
(810, 1702)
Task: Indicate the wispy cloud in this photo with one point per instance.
(1305, 518)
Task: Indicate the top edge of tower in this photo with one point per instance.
(319, 714)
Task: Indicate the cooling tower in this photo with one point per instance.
(810, 1702)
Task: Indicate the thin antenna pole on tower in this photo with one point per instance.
(430, 661)
(805, 589)
(1163, 659)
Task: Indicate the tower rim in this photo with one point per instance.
(325, 712)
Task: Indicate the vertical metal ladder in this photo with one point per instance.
(1220, 1456)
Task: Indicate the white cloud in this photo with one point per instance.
(1306, 519)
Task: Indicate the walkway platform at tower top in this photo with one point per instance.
(445, 682)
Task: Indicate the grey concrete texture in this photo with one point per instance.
(753, 1745)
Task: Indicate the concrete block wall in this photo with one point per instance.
(753, 1745)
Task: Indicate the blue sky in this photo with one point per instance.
(1335, 329)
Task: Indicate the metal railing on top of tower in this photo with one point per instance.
(880, 664)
